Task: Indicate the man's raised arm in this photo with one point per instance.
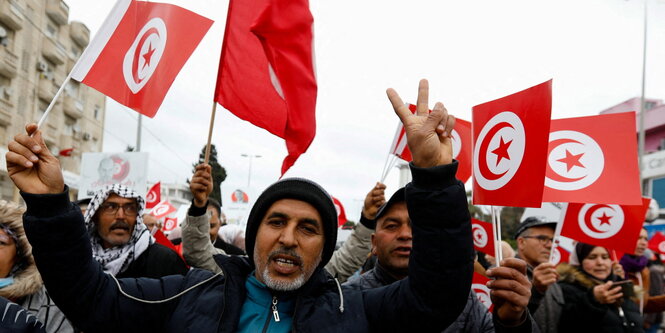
(441, 260)
(62, 251)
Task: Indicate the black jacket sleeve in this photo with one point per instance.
(89, 297)
(441, 261)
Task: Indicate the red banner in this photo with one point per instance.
(483, 237)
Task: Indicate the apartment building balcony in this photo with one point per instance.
(5, 112)
(8, 63)
(73, 107)
(46, 89)
(69, 141)
(10, 14)
(52, 51)
(79, 33)
(58, 11)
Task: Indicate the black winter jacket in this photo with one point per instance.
(428, 300)
(582, 313)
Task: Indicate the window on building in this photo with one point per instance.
(75, 51)
(658, 190)
(6, 37)
(3, 134)
(41, 108)
(52, 29)
(5, 88)
(72, 88)
(70, 125)
(97, 112)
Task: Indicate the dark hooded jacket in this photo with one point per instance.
(427, 301)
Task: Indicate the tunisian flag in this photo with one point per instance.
(483, 237)
(154, 196)
(479, 286)
(559, 255)
(616, 227)
(341, 214)
(461, 146)
(657, 242)
(510, 148)
(162, 209)
(138, 51)
(266, 71)
(589, 158)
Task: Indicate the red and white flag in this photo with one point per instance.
(479, 286)
(510, 148)
(615, 227)
(266, 71)
(483, 237)
(587, 162)
(162, 209)
(657, 242)
(154, 196)
(170, 223)
(341, 214)
(138, 51)
(559, 255)
(461, 146)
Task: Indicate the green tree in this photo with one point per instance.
(218, 171)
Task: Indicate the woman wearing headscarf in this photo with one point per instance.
(593, 301)
(637, 271)
(20, 281)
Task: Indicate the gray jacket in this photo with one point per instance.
(198, 250)
(474, 318)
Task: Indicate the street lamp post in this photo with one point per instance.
(249, 171)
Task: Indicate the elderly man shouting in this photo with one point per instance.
(291, 235)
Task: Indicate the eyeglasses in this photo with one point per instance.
(542, 238)
(112, 208)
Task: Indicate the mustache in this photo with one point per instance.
(119, 225)
(286, 252)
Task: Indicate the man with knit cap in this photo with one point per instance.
(291, 234)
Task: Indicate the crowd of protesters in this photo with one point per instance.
(407, 266)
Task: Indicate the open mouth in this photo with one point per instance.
(285, 264)
(402, 250)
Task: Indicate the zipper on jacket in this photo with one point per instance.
(275, 314)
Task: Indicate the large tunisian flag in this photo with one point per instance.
(266, 71)
(588, 162)
(138, 51)
(615, 227)
(510, 148)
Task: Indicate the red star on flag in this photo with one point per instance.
(148, 55)
(605, 219)
(571, 160)
(501, 152)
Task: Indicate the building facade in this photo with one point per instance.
(38, 48)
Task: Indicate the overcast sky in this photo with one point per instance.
(471, 52)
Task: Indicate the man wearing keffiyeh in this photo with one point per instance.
(120, 241)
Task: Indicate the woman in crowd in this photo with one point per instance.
(638, 272)
(594, 297)
(19, 279)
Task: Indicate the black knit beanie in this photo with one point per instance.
(298, 189)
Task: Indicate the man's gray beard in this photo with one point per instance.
(279, 285)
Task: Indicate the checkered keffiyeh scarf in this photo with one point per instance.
(116, 259)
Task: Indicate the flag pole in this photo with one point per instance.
(496, 225)
(557, 232)
(390, 165)
(212, 123)
(385, 164)
(55, 98)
